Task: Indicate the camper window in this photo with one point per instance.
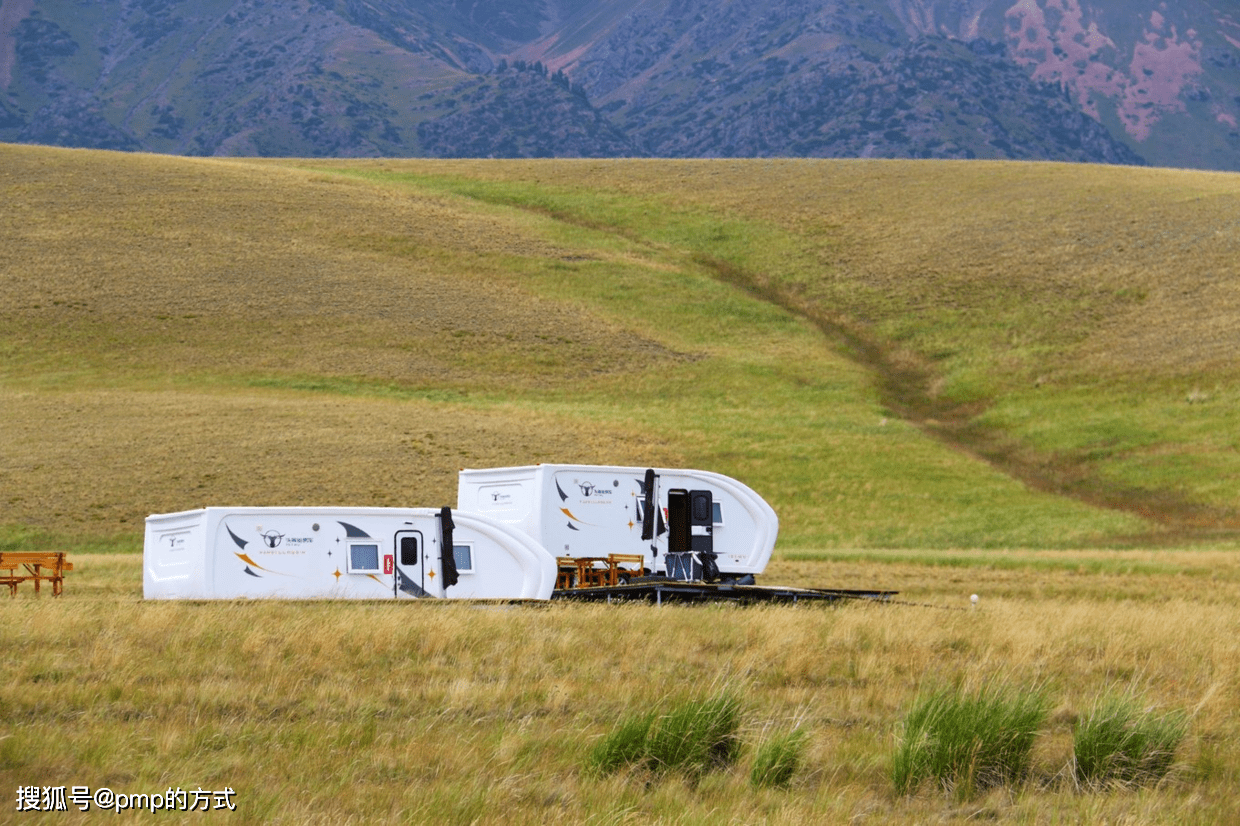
(408, 551)
(363, 558)
(464, 556)
(717, 514)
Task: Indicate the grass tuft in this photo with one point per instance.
(695, 737)
(968, 742)
(778, 759)
(625, 746)
(1121, 743)
(692, 737)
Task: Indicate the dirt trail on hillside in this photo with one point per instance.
(907, 381)
(906, 386)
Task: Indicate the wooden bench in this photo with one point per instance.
(617, 560)
(597, 571)
(566, 572)
(592, 571)
(17, 567)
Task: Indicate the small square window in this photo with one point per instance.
(464, 556)
(408, 551)
(716, 513)
(363, 558)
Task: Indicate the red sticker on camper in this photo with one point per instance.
(387, 563)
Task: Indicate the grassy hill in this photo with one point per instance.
(895, 354)
(922, 366)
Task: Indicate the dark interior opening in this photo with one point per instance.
(678, 536)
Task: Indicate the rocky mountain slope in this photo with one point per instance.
(1111, 81)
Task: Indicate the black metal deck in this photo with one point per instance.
(672, 591)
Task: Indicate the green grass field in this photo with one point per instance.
(1016, 380)
(894, 354)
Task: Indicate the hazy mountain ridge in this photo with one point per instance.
(560, 120)
(934, 98)
(1104, 81)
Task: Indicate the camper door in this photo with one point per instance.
(691, 542)
(410, 578)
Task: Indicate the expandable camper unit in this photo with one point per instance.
(686, 524)
(340, 553)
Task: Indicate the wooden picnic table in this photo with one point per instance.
(17, 567)
(596, 571)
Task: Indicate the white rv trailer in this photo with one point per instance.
(684, 522)
(340, 553)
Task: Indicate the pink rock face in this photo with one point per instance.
(1161, 68)
(1062, 43)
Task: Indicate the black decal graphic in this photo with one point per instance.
(354, 532)
(241, 543)
(408, 586)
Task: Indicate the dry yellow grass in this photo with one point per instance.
(102, 460)
(332, 712)
(176, 265)
(135, 296)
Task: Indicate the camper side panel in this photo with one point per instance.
(744, 525)
(302, 554)
(495, 561)
(592, 511)
(174, 556)
(596, 511)
(321, 553)
(507, 495)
